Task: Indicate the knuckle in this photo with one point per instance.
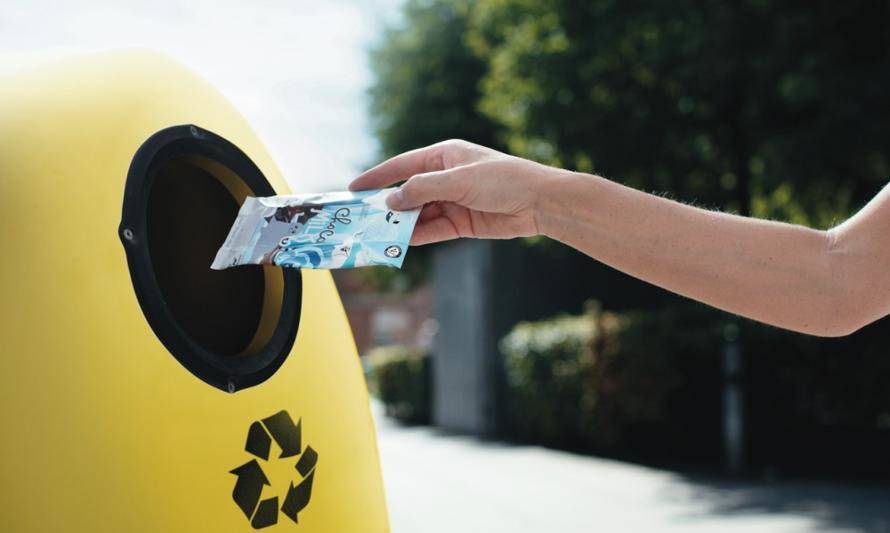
(457, 143)
(407, 188)
(435, 158)
(452, 145)
(448, 153)
(413, 187)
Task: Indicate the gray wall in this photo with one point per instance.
(478, 297)
(463, 396)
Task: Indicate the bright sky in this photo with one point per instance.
(297, 69)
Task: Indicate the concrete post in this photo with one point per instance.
(465, 347)
(733, 403)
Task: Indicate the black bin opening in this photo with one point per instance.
(189, 215)
(231, 328)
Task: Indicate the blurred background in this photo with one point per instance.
(674, 415)
(519, 385)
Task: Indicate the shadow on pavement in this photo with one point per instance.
(832, 505)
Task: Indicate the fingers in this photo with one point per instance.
(430, 211)
(442, 186)
(434, 230)
(400, 168)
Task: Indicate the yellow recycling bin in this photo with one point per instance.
(142, 391)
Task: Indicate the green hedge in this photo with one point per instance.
(580, 381)
(641, 384)
(400, 378)
(647, 385)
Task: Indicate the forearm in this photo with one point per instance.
(772, 272)
(820, 282)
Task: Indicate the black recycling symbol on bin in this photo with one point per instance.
(251, 478)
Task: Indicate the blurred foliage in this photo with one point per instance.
(580, 381)
(427, 80)
(646, 384)
(773, 108)
(400, 378)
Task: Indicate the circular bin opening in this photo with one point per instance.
(231, 328)
(189, 215)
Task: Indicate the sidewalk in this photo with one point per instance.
(439, 483)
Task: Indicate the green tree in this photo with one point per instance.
(426, 90)
(775, 109)
(772, 108)
(427, 80)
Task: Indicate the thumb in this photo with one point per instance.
(440, 186)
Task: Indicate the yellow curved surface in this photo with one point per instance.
(102, 429)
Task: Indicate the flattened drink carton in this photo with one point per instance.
(327, 230)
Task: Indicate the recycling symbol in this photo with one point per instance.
(251, 478)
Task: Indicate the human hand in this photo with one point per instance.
(466, 190)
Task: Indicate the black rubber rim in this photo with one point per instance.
(229, 374)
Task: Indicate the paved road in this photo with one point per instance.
(441, 483)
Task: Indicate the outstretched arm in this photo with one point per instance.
(826, 283)
(820, 282)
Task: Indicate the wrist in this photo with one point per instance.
(556, 197)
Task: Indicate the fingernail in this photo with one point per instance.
(395, 199)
